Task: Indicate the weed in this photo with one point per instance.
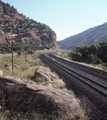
(79, 115)
(71, 93)
(62, 87)
(14, 115)
(37, 79)
(59, 83)
(26, 69)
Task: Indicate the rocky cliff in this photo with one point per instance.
(14, 25)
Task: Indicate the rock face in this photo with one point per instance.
(26, 30)
(7, 9)
(30, 97)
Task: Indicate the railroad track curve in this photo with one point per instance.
(102, 89)
(97, 74)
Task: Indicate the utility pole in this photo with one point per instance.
(25, 56)
(12, 54)
(12, 50)
(25, 53)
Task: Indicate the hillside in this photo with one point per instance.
(93, 35)
(23, 29)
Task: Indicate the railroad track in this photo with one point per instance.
(85, 67)
(93, 72)
(101, 88)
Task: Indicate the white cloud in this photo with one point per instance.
(62, 34)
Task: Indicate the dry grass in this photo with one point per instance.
(26, 66)
(59, 82)
(79, 115)
(62, 86)
(23, 66)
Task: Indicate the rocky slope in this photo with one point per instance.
(93, 35)
(23, 29)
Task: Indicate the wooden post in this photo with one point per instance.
(25, 56)
(12, 54)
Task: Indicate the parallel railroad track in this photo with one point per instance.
(85, 67)
(101, 88)
(93, 71)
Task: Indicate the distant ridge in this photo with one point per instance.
(93, 35)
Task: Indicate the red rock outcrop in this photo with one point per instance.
(7, 9)
(26, 30)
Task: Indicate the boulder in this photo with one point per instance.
(32, 97)
(19, 53)
(15, 67)
(40, 73)
(29, 51)
(52, 75)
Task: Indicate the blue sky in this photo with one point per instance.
(65, 17)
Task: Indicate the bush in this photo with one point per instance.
(99, 61)
(18, 46)
(90, 58)
(76, 56)
(38, 80)
(5, 65)
(16, 115)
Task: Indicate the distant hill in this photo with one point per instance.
(23, 29)
(91, 36)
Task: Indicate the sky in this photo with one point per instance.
(65, 17)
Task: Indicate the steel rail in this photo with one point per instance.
(85, 67)
(63, 67)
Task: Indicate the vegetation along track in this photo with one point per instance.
(94, 93)
(96, 74)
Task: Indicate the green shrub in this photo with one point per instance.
(90, 58)
(18, 46)
(38, 80)
(86, 51)
(62, 87)
(76, 56)
(99, 61)
(14, 115)
(5, 65)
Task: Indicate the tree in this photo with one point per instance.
(99, 61)
(103, 51)
(90, 58)
(76, 56)
(94, 48)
